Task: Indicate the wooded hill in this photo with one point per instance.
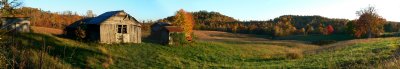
(302, 24)
(206, 20)
(49, 19)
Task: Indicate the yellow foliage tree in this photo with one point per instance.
(284, 27)
(186, 21)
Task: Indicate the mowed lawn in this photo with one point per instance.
(66, 53)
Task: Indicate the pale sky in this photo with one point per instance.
(238, 9)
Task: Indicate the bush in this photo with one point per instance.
(80, 32)
(3, 60)
(294, 54)
(179, 39)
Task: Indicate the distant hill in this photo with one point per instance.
(219, 22)
(206, 17)
(302, 21)
(48, 19)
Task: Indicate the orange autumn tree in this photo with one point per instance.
(186, 21)
(369, 24)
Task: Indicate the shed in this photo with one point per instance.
(20, 24)
(161, 32)
(114, 27)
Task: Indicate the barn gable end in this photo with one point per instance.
(116, 27)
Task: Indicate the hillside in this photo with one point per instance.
(302, 21)
(45, 30)
(48, 19)
(65, 53)
(202, 17)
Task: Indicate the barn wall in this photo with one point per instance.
(139, 33)
(106, 31)
(132, 32)
(109, 29)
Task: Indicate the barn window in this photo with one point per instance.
(122, 29)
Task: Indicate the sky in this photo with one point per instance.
(243, 10)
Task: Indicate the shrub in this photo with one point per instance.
(80, 32)
(330, 29)
(179, 38)
(3, 61)
(294, 55)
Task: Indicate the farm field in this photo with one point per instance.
(209, 52)
(201, 34)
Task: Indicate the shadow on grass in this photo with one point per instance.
(74, 55)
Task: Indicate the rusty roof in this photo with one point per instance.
(174, 29)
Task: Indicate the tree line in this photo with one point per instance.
(369, 24)
(49, 19)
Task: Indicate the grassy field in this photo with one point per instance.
(48, 51)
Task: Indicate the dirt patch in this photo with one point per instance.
(249, 38)
(217, 35)
(45, 30)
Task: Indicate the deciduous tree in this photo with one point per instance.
(330, 29)
(284, 27)
(8, 6)
(369, 23)
(186, 21)
(309, 29)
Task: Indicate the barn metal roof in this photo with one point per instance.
(101, 18)
(174, 29)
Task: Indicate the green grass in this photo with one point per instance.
(336, 37)
(66, 53)
(36, 50)
(360, 55)
(221, 55)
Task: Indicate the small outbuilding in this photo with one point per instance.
(20, 24)
(161, 32)
(114, 27)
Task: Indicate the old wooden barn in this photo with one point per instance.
(114, 27)
(19, 24)
(161, 32)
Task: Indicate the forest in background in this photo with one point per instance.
(42, 18)
(281, 26)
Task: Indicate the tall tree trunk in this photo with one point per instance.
(369, 32)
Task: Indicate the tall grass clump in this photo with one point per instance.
(294, 54)
(179, 39)
(3, 59)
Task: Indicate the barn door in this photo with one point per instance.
(122, 34)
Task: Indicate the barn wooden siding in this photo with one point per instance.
(109, 30)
